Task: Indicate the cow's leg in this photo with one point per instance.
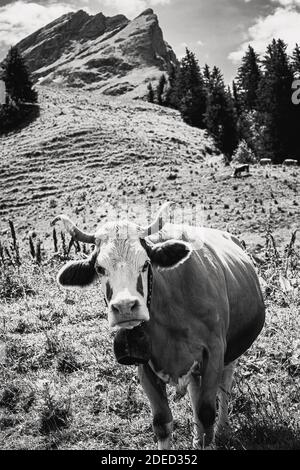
(194, 389)
(155, 390)
(223, 427)
(203, 393)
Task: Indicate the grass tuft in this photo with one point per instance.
(55, 413)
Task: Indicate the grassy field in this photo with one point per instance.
(62, 388)
(60, 384)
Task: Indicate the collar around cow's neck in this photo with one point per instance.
(150, 286)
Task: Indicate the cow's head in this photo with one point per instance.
(122, 258)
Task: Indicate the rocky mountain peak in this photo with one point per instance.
(148, 11)
(113, 54)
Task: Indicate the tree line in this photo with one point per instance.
(20, 94)
(254, 118)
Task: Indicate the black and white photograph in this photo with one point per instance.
(149, 228)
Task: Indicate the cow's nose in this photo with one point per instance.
(123, 307)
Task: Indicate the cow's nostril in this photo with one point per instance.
(115, 309)
(120, 308)
(134, 304)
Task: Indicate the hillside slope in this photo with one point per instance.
(112, 54)
(88, 155)
(85, 143)
(91, 158)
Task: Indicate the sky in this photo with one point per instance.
(218, 31)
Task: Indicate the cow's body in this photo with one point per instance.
(238, 170)
(290, 162)
(205, 310)
(215, 290)
(265, 161)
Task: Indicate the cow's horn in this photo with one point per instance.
(74, 231)
(158, 223)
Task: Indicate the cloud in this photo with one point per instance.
(18, 19)
(131, 7)
(283, 23)
(284, 3)
(287, 2)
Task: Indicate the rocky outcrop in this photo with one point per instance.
(46, 45)
(113, 54)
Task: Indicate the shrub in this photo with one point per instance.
(67, 360)
(14, 115)
(243, 154)
(14, 284)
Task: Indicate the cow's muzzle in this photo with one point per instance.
(126, 314)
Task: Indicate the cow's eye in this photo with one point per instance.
(144, 268)
(100, 270)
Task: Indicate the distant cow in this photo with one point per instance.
(290, 162)
(239, 170)
(198, 295)
(265, 161)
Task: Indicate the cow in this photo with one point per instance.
(238, 170)
(203, 309)
(290, 162)
(265, 161)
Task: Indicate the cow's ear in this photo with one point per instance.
(169, 254)
(77, 274)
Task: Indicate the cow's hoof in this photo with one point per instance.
(164, 444)
(211, 446)
(199, 444)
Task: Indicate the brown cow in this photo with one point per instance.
(290, 162)
(265, 161)
(240, 169)
(204, 310)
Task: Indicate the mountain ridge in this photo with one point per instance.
(113, 54)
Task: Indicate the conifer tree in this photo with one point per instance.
(220, 116)
(236, 98)
(17, 78)
(206, 74)
(275, 104)
(229, 136)
(170, 96)
(215, 100)
(191, 91)
(150, 96)
(296, 60)
(248, 79)
(160, 89)
(296, 107)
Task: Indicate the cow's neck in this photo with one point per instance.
(169, 331)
